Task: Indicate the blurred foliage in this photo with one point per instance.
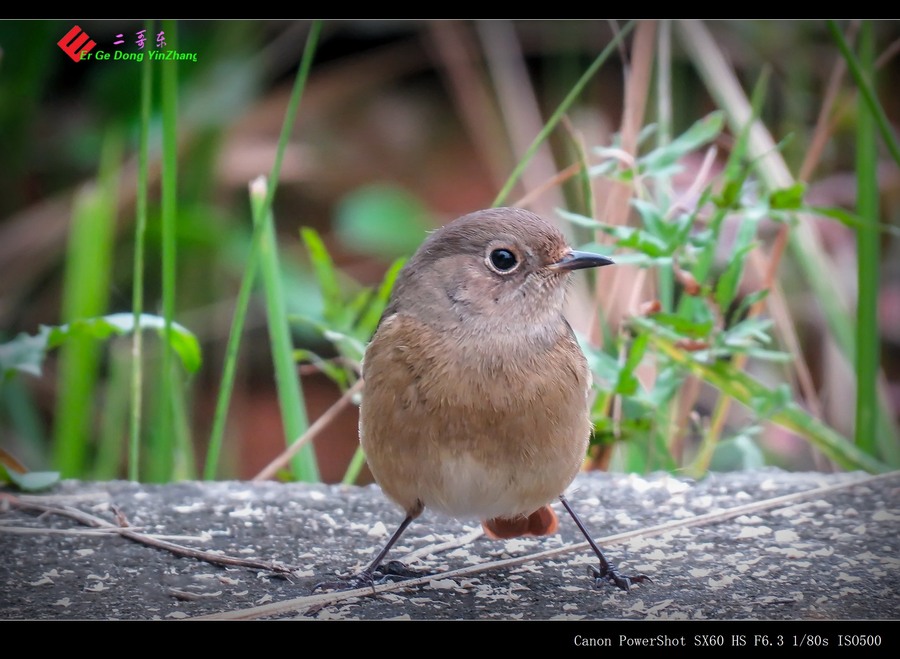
(382, 220)
(27, 353)
(346, 319)
(395, 136)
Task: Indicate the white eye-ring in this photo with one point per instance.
(502, 260)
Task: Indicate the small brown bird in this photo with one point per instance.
(476, 391)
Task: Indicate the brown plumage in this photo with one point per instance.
(476, 391)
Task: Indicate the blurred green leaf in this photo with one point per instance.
(730, 280)
(348, 345)
(32, 481)
(331, 369)
(750, 331)
(383, 221)
(579, 220)
(348, 319)
(850, 219)
(777, 404)
(666, 385)
(730, 196)
(370, 319)
(651, 216)
(184, 343)
(628, 383)
(602, 364)
(326, 275)
(737, 453)
(790, 198)
(746, 302)
(607, 168)
(638, 239)
(766, 402)
(683, 326)
(701, 132)
(26, 353)
(776, 356)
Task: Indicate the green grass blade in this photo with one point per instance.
(116, 393)
(557, 116)
(290, 116)
(356, 464)
(868, 93)
(183, 464)
(137, 294)
(19, 411)
(243, 301)
(749, 392)
(326, 275)
(163, 449)
(86, 293)
(368, 323)
(229, 369)
(868, 248)
(805, 245)
(665, 276)
(290, 395)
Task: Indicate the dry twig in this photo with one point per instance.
(127, 532)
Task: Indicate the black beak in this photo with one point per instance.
(579, 260)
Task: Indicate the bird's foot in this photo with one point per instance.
(609, 574)
(397, 571)
(362, 579)
(389, 573)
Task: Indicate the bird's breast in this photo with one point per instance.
(480, 428)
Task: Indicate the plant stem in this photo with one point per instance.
(243, 301)
(86, 294)
(868, 93)
(867, 245)
(137, 294)
(290, 395)
(164, 445)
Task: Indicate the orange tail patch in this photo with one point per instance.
(542, 521)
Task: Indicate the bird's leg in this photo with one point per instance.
(607, 572)
(368, 576)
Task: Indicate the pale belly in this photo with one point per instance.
(473, 436)
(466, 488)
(463, 470)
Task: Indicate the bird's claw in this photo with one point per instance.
(389, 573)
(360, 580)
(396, 571)
(610, 574)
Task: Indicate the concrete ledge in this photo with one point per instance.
(765, 545)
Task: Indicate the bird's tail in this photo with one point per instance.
(542, 521)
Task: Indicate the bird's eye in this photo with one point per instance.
(503, 260)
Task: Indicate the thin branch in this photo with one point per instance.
(555, 180)
(128, 532)
(279, 462)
